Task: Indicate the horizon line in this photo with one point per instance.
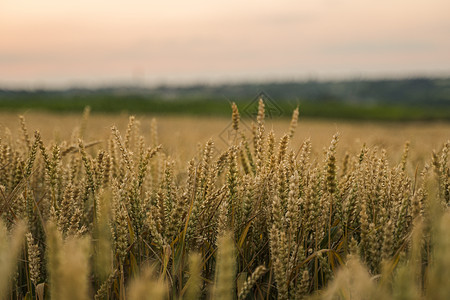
(142, 84)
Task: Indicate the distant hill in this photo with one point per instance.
(417, 91)
(412, 98)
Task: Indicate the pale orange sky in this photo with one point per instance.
(54, 43)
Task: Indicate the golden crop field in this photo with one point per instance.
(118, 207)
(182, 135)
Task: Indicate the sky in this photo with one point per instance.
(54, 43)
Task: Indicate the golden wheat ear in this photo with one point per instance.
(224, 288)
(10, 246)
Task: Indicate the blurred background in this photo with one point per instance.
(351, 59)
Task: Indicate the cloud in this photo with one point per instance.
(377, 47)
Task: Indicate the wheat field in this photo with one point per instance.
(118, 207)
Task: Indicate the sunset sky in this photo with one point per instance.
(54, 43)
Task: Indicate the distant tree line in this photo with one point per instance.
(383, 99)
